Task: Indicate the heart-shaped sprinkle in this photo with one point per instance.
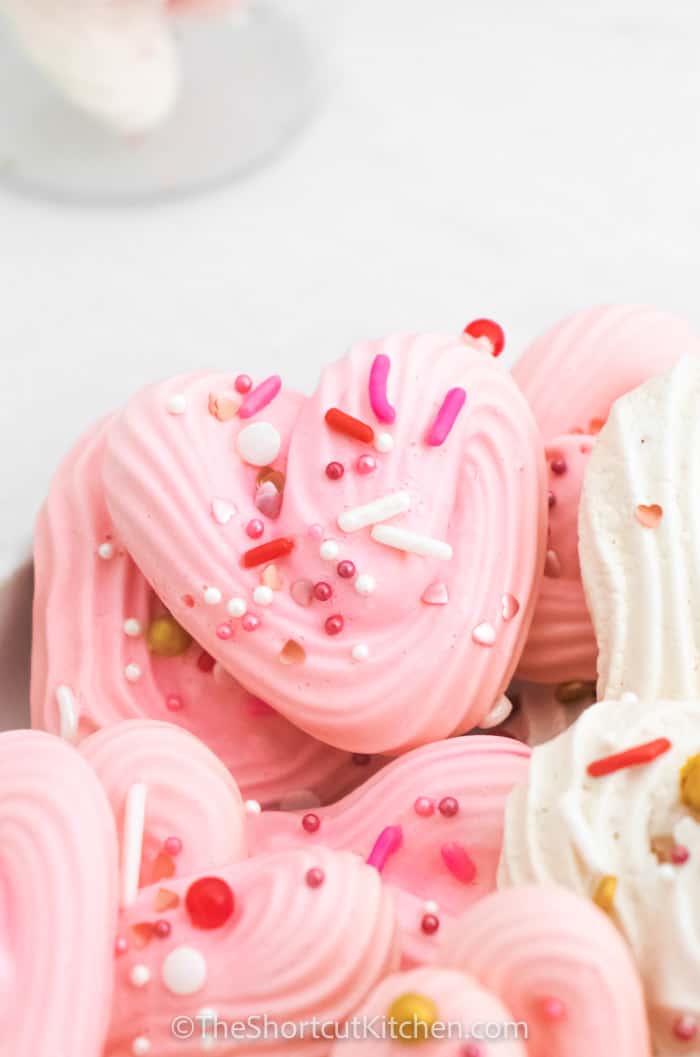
(165, 900)
(222, 511)
(436, 594)
(509, 607)
(649, 516)
(302, 591)
(292, 653)
(268, 500)
(224, 407)
(484, 634)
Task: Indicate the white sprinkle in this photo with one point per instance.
(132, 672)
(140, 975)
(667, 872)
(262, 595)
(176, 403)
(384, 442)
(222, 511)
(431, 907)
(360, 652)
(236, 607)
(212, 596)
(629, 697)
(413, 542)
(580, 833)
(378, 510)
(132, 627)
(329, 550)
(253, 807)
(259, 443)
(140, 1046)
(184, 971)
(106, 551)
(132, 841)
(68, 713)
(498, 714)
(365, 584)
(484, 634)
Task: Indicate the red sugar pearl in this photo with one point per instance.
(249, 622)
(162, 929)
(224, 631)
(322, 591)
(424, 806)
(685, 1028)
(311, 823)
(345, 569)
(315, 877)
(243, 384)
(487, 328)
(558, 466)
(255, 528)
(471, 1049)
(121, 946)
(334, 625)
(334, 471)
(210, 903)
(430, 923)
(366, 464)
(173, 703)
(679, 854)
(448, 806)
(552, 1008)
(172, 846)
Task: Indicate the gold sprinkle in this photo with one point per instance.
(574, 691)
(166, 638)
(271, 578)
(223, 407)
(275, 477)
(604, 895)
(165, 900)
(292, 653)
(690, 783)
(411, 1017)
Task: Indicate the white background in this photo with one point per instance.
(469, 157)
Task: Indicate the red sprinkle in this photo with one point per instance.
(486, 328)
(334, 625)
(629, 758)
(322, 591)
(210, 903)
(448, 806)
(351, 427)
(334, 471)
(679, 854)
(267, 552)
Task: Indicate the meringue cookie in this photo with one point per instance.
(627, 836)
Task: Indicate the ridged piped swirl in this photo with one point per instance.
(289, 952)
(571, 376)
(478, 772)
(567, 827)
(427, 670)
(541, 943)
(82, 603)
(58, 900)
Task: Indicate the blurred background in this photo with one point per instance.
(462, 159)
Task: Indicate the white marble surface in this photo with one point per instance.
(500, 158)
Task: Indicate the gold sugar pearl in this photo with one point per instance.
(690, 783)
(411, 1017)
(166, 638)
(604, 895)
(574, 691)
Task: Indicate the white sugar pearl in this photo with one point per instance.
(140, 975)
(262, 595)
(106, 551)
(365, 584)
(184, 971)
(259, 443)
(384, 442)
(132, 672)
(430, 906)
(132, 627)
(253, 807)
(329, 550)
(140, 1046)
(212, 596)
(236, 607)
(176, 404)
(360, 652)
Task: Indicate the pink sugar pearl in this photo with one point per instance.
(255, 528)
(424, 807)
(250, 622)
(172, 846)
(322, 591)
(366, 464)
(243, 384)
(334, 625)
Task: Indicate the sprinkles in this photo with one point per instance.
(387, 844)
(413, 542)
(340, 422)
(378, 377)
(68, 713)
(387, 506)
(446, 417)
(267, 552)
(629, 758)
(260, 397)
(459, 862)
(488, 330)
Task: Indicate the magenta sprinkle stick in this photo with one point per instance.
(260, 397)
(459, 862)
(378, 377)
(446, 417)
(387, 843)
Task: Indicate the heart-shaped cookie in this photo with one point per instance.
(256, 948)
(610, 811)
(121, 655)
(413, 515)
(176, 807)
(58, 900)
(639, 544)
(431, 823)
(571, 377)
(559, 967)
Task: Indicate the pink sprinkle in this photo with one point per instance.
(162, 929)
(311, 823)
(509, 607)
(685, 1028)
(334, 625)
(224, 631)
(552, 1008)
(366, 464)
(121, 946)
(255, 528)
(345, 569)
(243, 384)
(448, 806)
(378, 377)
(484, 634)
(249, 622)
(173, 703)
(172, 846)
(424, 806)
(679, 854)
(316, 532)
(322, 591)
(315, 877)
(446, 417)
(387, 843)
(471, 1049)
(260, 397)
(458, 862)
